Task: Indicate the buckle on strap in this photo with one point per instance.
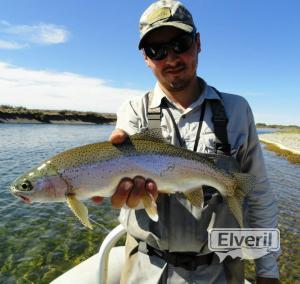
(186, 260)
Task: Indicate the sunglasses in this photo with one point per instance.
(178, 45)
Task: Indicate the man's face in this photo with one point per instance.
(176, 71)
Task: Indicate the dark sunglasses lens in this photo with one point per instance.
(182, 44)
(156, 52)
(178, 45)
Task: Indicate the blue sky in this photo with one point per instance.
(83, 55)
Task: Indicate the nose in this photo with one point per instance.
(172, 56)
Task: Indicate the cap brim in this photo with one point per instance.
(178, 25)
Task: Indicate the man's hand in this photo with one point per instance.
(129, 191)
(118, 136)
(264, 280)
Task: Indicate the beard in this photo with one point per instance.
(179, 84)
(181, 81)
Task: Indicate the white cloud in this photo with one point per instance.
(59, 90)
(4, 44)
(42, 33)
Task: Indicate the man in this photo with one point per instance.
(171, 44)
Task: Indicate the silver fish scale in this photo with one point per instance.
(170, 173)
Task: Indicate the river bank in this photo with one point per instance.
(285, 143)
(10, 114)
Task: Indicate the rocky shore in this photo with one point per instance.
(10, 114)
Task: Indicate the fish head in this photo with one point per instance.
(40, 184)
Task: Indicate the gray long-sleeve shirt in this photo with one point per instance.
(245, 148)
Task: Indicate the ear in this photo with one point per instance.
(198, 42)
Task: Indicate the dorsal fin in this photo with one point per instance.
(149, 134)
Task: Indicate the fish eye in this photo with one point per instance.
(26, 185)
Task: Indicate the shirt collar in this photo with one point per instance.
(208, 93)
(158, 96)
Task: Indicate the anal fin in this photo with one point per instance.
(195, 196)
(150, 206)
(80, 210)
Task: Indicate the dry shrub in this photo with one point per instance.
(290, 156)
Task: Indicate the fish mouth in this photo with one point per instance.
(23, 198)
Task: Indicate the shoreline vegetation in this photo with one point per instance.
(284, 141)
(10, 114)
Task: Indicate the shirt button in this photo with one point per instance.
(183, 116)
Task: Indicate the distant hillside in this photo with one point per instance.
(9, 114)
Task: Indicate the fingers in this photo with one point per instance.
(130, 191)
(151, 188)
(137, 192)
(119, 198)
(118, 136)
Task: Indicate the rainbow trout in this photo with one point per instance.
(96, 169)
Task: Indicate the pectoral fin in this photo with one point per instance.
(195, 197)
(80, 210)
(150, 206)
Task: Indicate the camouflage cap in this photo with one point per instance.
(163, 13)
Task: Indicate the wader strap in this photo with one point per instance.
(186, 260)
(220, 121)
(154, 114)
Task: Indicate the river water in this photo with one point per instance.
(40, 241)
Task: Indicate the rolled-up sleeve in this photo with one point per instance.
(261, 203)
(128, 118)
